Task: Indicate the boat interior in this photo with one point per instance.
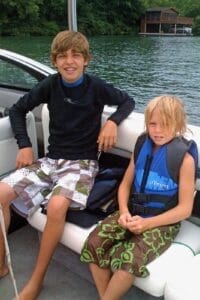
(173, 275)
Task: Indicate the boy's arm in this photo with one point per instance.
(24, 157)
(124, 194)
(108, 136)
(125, 187)
(17, 113)
(125, 105)
(112, 96)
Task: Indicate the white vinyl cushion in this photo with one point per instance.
(8, 145)
(181, 252)
(162, 268)
(184, 282)
(188, 236)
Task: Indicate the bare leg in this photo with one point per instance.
(7, 194)
(101, 278)
(53, 230)
(119, 284)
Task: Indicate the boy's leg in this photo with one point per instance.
(53, 230)
(101, 278)
(7, 194)
(119, 284)
(96, 250)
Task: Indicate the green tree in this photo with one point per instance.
(108, 17)
(46, 17)
(18, 16)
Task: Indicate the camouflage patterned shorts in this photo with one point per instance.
(72, 179)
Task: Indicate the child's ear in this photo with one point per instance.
(86, 62)
(54, 64)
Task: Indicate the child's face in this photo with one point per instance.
(159, 134)
(70, 65)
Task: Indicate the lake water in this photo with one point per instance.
(143, 66)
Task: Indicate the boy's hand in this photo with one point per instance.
(137, 224)
(124, 219)
(108, 136)
(24, 157)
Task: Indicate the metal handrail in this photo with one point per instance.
(72, 18)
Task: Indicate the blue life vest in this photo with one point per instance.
(155, 186)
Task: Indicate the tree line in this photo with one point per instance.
(94, 17)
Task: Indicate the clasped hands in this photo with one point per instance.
(135, 224)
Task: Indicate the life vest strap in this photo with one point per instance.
(150, 204)
(138, 209)
(142, 198)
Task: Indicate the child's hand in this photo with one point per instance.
(24, 157)
(124, 219)
(137, 224)
(108, 136)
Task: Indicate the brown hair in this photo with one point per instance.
(171, 111)
(66, 40)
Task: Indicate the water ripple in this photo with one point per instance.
(148, 66)
(143, 66)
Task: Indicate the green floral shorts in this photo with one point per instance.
(111, 246)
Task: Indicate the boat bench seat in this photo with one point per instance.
(8, 143)
(183, 284)
(182, 254)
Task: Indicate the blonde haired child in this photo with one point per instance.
(153, 198)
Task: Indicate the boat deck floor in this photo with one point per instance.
(61, 283)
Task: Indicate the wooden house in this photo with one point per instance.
(163, 20)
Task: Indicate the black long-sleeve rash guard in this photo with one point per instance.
(75, 114)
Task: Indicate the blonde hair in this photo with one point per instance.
(66, 40)
(171, 111)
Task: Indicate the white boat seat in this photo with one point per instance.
(183, 284)
(8, 143)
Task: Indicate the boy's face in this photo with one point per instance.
(159, 134)
(70, 65)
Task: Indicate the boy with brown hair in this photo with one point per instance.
(66, 175)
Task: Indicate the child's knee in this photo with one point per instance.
(7, 194)
(57, 207)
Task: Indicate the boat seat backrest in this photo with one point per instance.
(8, 145)
(127, 134)
(128, 131)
